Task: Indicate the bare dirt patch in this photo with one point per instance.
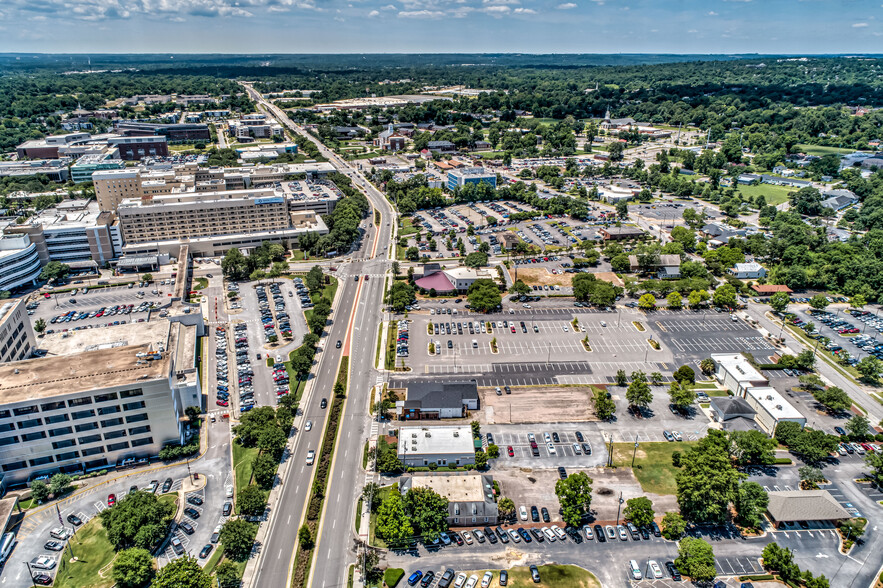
(543, 404)
(540, 276)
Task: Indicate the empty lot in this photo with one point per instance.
(543, 404)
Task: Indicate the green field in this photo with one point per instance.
(490, 154)
(774, 194)
(407, 228)
(653, 467)
(821, 150)
(94, 553)
(242, 460)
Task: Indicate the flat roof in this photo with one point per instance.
(456, 488)
(79, 216)
(74, 342)
(774, 403)
(7, 308)
(434, 440)
(737, 364)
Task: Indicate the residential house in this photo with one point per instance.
(748, 271)
(838, 199)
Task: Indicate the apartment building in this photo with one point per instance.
(107, 404)
(19, 262)
(16, 335)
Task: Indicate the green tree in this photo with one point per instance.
(480, 459)
(751, 502)
(819, 301)
(639, 511)
(138, 520)
(40, 325)
(675, 300)
(264, 470)
(707, 366)
(681, 394)
(725, 295)
(575, 497)
(147, 278)
(638, 393)
(305, 537)
(132, 568)
(811, 477)
(685, 374)
(869, 367)
(272, 440)
(696, 559)
(252, 501)
(484, 295)
(493, 451)
(781, 560)
(707, 481)
(752, 448)
(780, 301)
(427, 511)
(647, 302)
(832, 398)
(393, 524)
(656, 378)
(605, 407)
(54, 271)
(39, 490)
(621, 378)
(858, 426)
(673, 526)
(506, 508)
(874, 461)
(227, 573)
(520, 287)
(237, 537)
(620, 263)
(475, 259)
(858, 301)
(59, 484)
(184, 572)
(695, 298)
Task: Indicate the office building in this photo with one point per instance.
(19, 262)
(447, 445)
(470, 497)
(16, 335)
(112, 402)
(734, 372)
(173, 132)
(471, 175)
(90, 163)
(112, 186)
(138, 147)
(772, 408)
(54, 169)
(437, 400)
(47, 147)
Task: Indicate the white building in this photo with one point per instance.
(772, 408)
(463, 277)
(421, 446)
(19, 262)
(745, 271)
(16, 335)
(733, 371)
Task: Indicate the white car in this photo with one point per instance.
(547, 438)
(487, 579)
(677, 436)
(587, 530)
(461, 579)
(654, 569)
(43, 562)
(467, 537)
(551, 448)
(566, 329)
(549, 534)
(308, 426)
(473, 580)
(516, 538)
(229, 491)
(446, 539)
(557, 530)
(311, 457)
(523, 512)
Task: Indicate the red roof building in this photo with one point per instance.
(771, 288)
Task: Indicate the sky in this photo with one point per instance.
(442, 26)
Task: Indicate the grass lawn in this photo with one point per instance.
(200, 284)
(704, 386)
(94, 552)
(242, 460)
(297, 255)
(774, 194)
(551, 576)
(490, 154)
(822, 150)
(653, 467)
(327, 292)
(391, 346)
(408, 228)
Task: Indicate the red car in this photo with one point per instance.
(111, 499)
(510, 451)
(512, 328)
(222, 403)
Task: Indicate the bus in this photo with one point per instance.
(6, 545)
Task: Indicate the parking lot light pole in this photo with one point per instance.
(31, 574)
(635, 452)
(618, 508)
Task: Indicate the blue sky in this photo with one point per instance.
(391, 26)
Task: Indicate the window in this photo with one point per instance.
(83, 414)
(23, 410)
(8, 440)
(41, 461)
(16, 465)
(60, 431)
(139, 430)
(115, 434)
(4, 414)
(33, 436)
(98, 463)
(112, 422)
(108, 410)
(144, 441)
(56, 418)
(134, 405)
(63, 444)
(79, 401)
(7, 427)
(106, 397)
(92, 451)
(67, 456)
(86, 427)
(89, 439)
(118, 446)
(28, 424)
(52, 406)
(131, 393)
(136, 418)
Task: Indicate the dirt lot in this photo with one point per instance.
(544, 404)
(537, 487)
(540, 276)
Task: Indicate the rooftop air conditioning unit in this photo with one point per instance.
(428, 434)
(456, 433)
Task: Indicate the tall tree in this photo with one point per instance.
(575, 496)
(393, 524)
(707, 481)
(132, 568)
(751, 502)
(428, 512)
(184, 572)
(696, 559)
(639, 511)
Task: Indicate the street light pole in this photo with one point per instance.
(618, 508)
(635, 452)
(31, 574)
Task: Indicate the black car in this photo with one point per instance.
(191, 512)
(537, 534)
(507, 389)
(195, 499)
(535, 574)
(545, 512)
(74, 520)
(599, 533)
(456, 537)
(427, 579)
(562, 473)
(673, 571)
(657, 532)
(186, 527)
(524, 534)
(840, 430)
(504, 578)
(555, 438)
(579, 436)
(42, 579)
(645, 533)
(534, 514)
(206, 550)
(490, 439)
(324, 403)
(491, 536)
(338, 344)
(446, 579)
(228, 508)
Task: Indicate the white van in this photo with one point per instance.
(6, 545)
(635, 570)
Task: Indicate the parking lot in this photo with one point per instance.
(857, 332)
(97, 308)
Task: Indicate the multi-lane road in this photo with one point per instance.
(355, 322)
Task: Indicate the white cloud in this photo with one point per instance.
(97, 10)
(566, 6)
(389, 7)
(373, 13)
(497, 2)
(497, 10)
(421, 14)
(711, 13)
(524, 11)
(859, 25)
(693, 31)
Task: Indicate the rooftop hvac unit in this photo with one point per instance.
(456, 433)
(769, 396)
(778, 407)
(413, 435)
(428, 434)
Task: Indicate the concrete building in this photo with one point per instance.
(733, 371)
(139, 147)
(620, 233)
(94, 410)
(72, 231)
(748, 271)
(113, 186)
(470, 497)
(772, 408)
(447, 445)
(17, 339)
(458, 278)
(471, 175)
(173, 132)
(47, 147)
(437, 400)
(19, 262)
(54, 169)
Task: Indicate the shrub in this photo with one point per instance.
(392, 576)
